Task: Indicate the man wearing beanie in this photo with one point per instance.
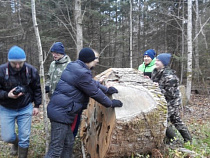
(169, 84)
(57, 66)
(149, 63)
(70, 97)
(19, 87)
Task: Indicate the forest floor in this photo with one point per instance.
(196, 116)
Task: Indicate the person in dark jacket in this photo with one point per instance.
(76, 123)
(70, 97)
(19, 88)
(168, 82)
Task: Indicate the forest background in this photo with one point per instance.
(121, 31)
(106, 24)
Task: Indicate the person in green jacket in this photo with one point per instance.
(57, 66)
(149, 63)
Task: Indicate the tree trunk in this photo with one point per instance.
(183, 45)
(189, 49)
(78, 22)
(36, 29)
(131, 35)
(196, 43)
(137, 127)
(198, 72)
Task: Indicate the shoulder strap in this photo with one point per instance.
(27, 76)
(7, 72)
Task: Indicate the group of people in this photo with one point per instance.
(69, 85)
(158, 70)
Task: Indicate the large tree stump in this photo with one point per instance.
(137, 127)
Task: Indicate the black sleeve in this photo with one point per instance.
(36, 88)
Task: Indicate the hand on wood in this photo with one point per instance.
(116, 103)
(112, 90)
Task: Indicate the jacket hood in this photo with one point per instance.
(65, 59)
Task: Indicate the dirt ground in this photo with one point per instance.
(197, 111)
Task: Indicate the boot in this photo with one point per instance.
(14, 149)
(186, 135)
(22, 152)
(170, 133)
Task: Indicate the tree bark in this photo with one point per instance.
(36, 29)
(137, 127)
(182, 44)
(131, 34)
(189, 49)
(78, 22)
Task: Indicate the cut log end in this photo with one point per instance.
(137, 127)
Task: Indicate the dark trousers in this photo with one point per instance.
(62, 141)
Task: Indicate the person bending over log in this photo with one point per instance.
(70, 97)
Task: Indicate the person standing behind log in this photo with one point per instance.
(57, 66)
(70, 97)
(149, 63)
(168, 82)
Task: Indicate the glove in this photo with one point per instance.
(47, 89)
(112, 90)
(116, 103)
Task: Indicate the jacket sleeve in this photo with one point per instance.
(90, 88)
(3, 94)
(102, 87)
(170, 87)
(47, 82)
(36, 88)
(141, 67)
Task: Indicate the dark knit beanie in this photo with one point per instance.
(16, 54)
(58, 48)
(86, 55)
(151, 53)
(164, 58)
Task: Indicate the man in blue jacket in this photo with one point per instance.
(70, 97)
(19, 88)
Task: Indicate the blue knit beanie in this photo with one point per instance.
(164, 58)
(16, 54)
(86, 55)
(151, 53)
(58, 48)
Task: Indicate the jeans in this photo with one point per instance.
(23, 117)
(62, 141)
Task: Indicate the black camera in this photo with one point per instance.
(18, 90)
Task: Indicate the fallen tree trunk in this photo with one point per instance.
(137, 127)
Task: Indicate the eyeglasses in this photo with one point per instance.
(96, 57)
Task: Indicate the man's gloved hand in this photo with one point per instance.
(112, 90)
(116, 103)
(47, 89)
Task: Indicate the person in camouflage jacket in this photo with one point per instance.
(57, 66)
(168, 82)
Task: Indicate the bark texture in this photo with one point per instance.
(137, 127)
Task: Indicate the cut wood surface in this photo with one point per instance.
(137, 127)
